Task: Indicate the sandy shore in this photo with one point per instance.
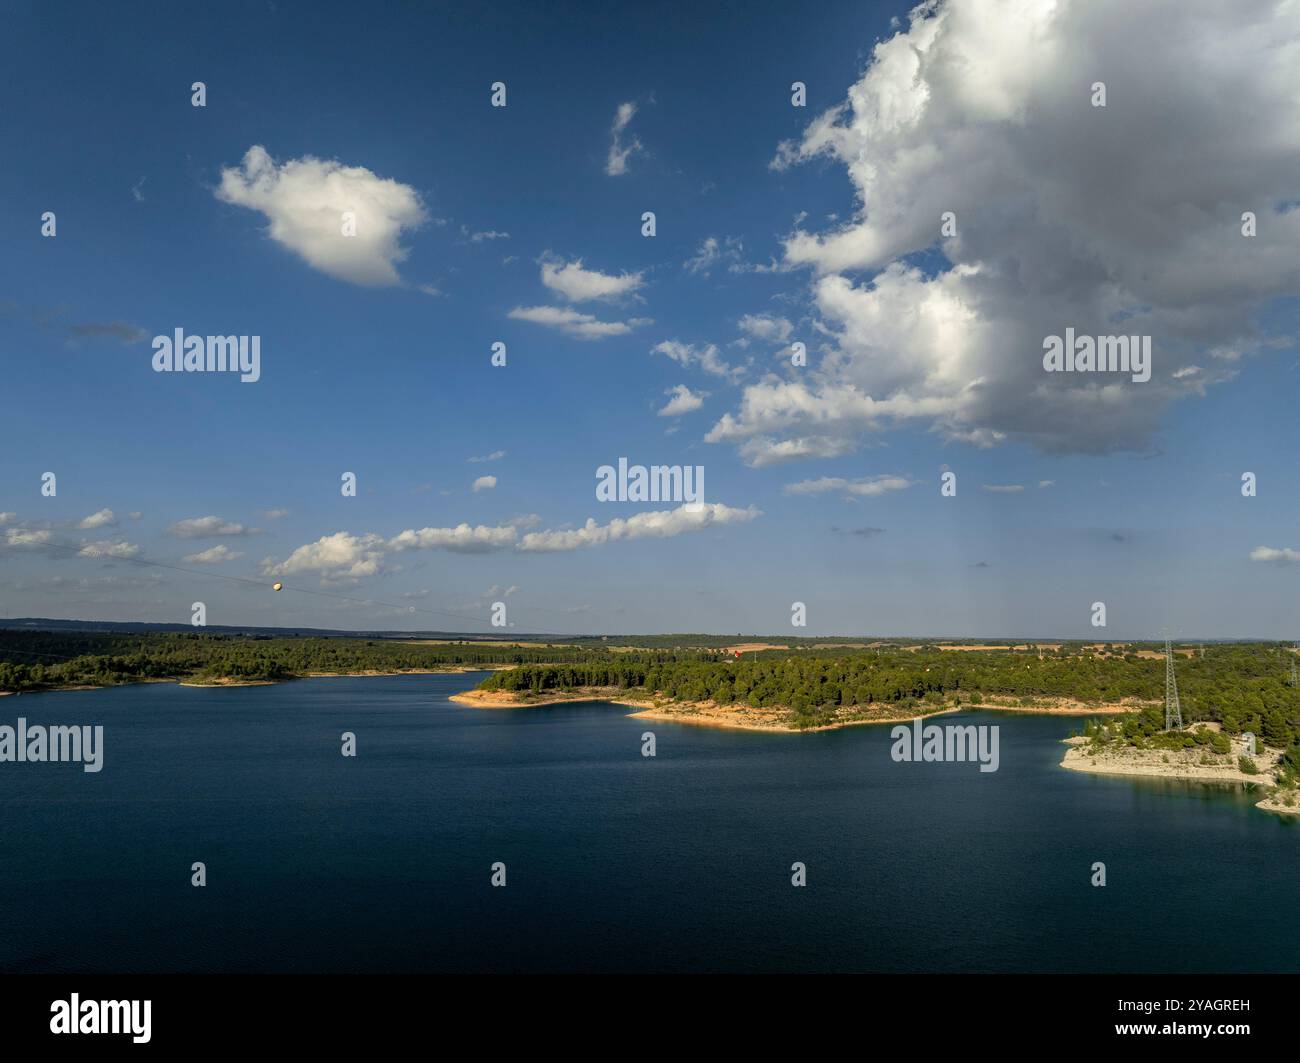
(745, 718)
(1063, 707)
(770, 718)
(1185, 765)
(1171, 764)
(508, 699)
(1275, 802)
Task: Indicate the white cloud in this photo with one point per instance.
(1005, 489)
(27, 537)
(1126, 218)
(868, 487)
(305, 200)
(7, 518)
(275, 514)
(206, 527)
(336, 557)
(489, 234)
(1046, 483)
(496, 455)
(652, 524)
(485, 483)
(713, 252)
(683, 400)
(103, 519)
(461, 539)
(105, 548)
(344, 556)
(1276, 555)
(619, 152)
(766, 327)
(582, 326)
(706, 357)
(705, 258)
(580, 285)
(213, 556)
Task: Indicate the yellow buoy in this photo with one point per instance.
(276, 586)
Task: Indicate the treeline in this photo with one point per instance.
(1244, 687)
(38, 660)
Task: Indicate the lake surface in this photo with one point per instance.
(316, 862)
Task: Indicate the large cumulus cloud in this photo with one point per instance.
(1123, 219)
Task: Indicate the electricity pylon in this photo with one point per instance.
(1173, 712)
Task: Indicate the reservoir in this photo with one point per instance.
(614, 861)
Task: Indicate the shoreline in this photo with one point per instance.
(771, 719)
(1129, 763)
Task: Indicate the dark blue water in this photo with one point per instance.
(614, 861)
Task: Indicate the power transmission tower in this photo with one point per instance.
(1173, 712)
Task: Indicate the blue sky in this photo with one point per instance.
(1140, 502)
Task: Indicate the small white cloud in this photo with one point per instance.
(706, 357)
(496, 455)
(714, 252)
(26, 537)
(213, 556)
(620, 152)
(485, 483)
(683, 401)
(205, 527)
(1276, 555)
(580, 285)
(766, 327)
(572, 323)
(103, 519)
(1046, 483)
(105, 548)
(868, 487)
(1006, 489)
(305, 200)
(275, 514)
